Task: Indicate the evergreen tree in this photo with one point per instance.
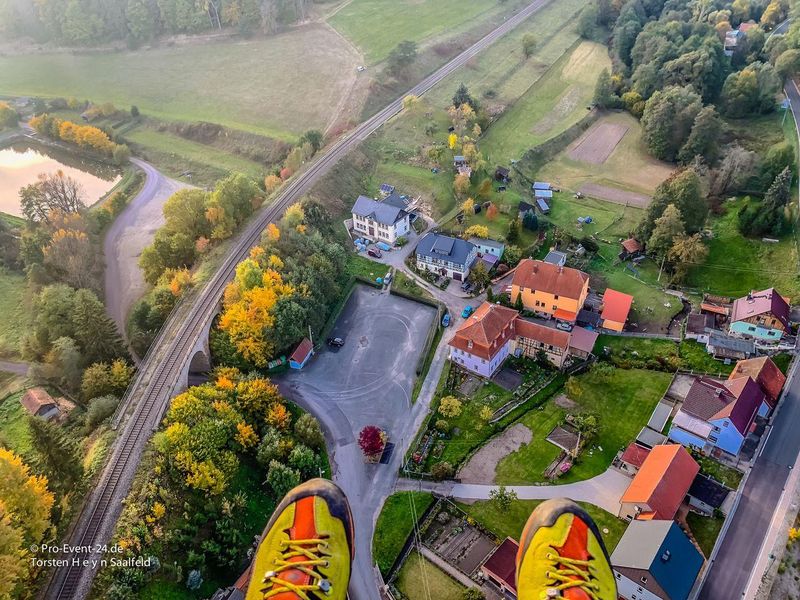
(60, 460)
(603, 93)
(704, 137)
(462, 96)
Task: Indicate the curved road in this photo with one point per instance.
(129, 234)
(162, 368)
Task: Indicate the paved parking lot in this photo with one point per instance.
(369, 380)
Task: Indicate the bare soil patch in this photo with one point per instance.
(562, 401)
(597, 144)
(481, 467)
(615, 195)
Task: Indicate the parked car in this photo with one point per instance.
(387, 278)
(467, 311)
(335, 342)
(375, 253)
(446, 320)
(564, 326)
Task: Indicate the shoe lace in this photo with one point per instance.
(312, 556)
(567, 573)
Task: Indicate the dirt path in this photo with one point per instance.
(130, 233)
(357, 87)
(482, 465)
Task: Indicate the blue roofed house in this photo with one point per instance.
(763, 316)
(443, 255)
(382, 221)
(543, 194)
(716, 416)
(655, 560)
(540, 185)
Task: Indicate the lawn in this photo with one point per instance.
(557, 101)
(705, 530)
(403, 283)
(501, 73)
(395, 524)
(510, 522)
(628, 167)
(737, 265)
(610, 221)
(627, 352)
(622, 401)
(281, 85)
(361, 266)
(436, 189)
(14, 432)
(15, 307)
(377, 26)
(175, 155)
(420, 579)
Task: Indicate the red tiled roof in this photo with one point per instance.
(565, 315)
(502, 564)
(715, 308)
(302, 351)
(632, 245)
(635, 454)
(765, 373)
(616, 306)
(35, 399)
(552, 279)
(582, 339)
(488, 329)
(759, 303)
(663, 481)
(546, 335)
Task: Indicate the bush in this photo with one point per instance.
(442, 470)
(99, 410)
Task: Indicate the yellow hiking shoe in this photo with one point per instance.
(561, 555)
(307, 546)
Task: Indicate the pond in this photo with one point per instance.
(21, 163)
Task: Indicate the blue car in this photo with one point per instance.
(446, 320)
(467, 311)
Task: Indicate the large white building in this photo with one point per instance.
(383, 221)
(451, 257)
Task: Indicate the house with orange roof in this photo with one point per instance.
(767, 375)
(660, 487)
(616, 307)
(549, 290)
(493, 332)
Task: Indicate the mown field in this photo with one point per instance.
(420, 579)
(557, 101)
(377, 26)
(279, 86)
(15, 308)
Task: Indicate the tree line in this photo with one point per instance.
(85, 136)
(91, 22)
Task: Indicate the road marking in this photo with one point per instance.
(766, 441)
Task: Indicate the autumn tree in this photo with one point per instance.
(686, 253)
(450, 407)
(468, 207)
(485, 188)
(371, 440)
(461, 185)
(272, 182)
(104, 379)
(667, 227)
(52, 191)
(491, 212)
(479, 231)
(479, 276)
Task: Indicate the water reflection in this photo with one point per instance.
(21, 163)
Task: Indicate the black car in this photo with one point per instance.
(335, 342)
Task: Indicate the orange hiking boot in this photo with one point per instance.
(307, 547)
(561, 555)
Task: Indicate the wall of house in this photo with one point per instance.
(480, 366)
(684, 438)
(700, 506)
(385, 233)
(529, 348)
(633, 590)
(548, 303)
(759, 332)
(628, 510)
(728, 437)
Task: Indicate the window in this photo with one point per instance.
(725, 423)
(644, 580)
(555, 297)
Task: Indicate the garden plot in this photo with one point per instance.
(615, 195)
(597, 144)
(480, 468)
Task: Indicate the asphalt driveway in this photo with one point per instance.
(369, 380)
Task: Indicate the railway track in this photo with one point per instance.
(148, 396)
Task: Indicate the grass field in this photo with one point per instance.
(509, 523)
(609, 221)
(377, 26)
(628, 167)
(15, 308)
(622, 402)
(501, 73)
(420, 579)
(627, 352)
(280, 86)
(558, 100)
(14, 432)
(395, 524)
(736, 265)
(705, 530)
(174, 155)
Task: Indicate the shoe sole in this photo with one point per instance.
(332, 494)
(546, 515)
